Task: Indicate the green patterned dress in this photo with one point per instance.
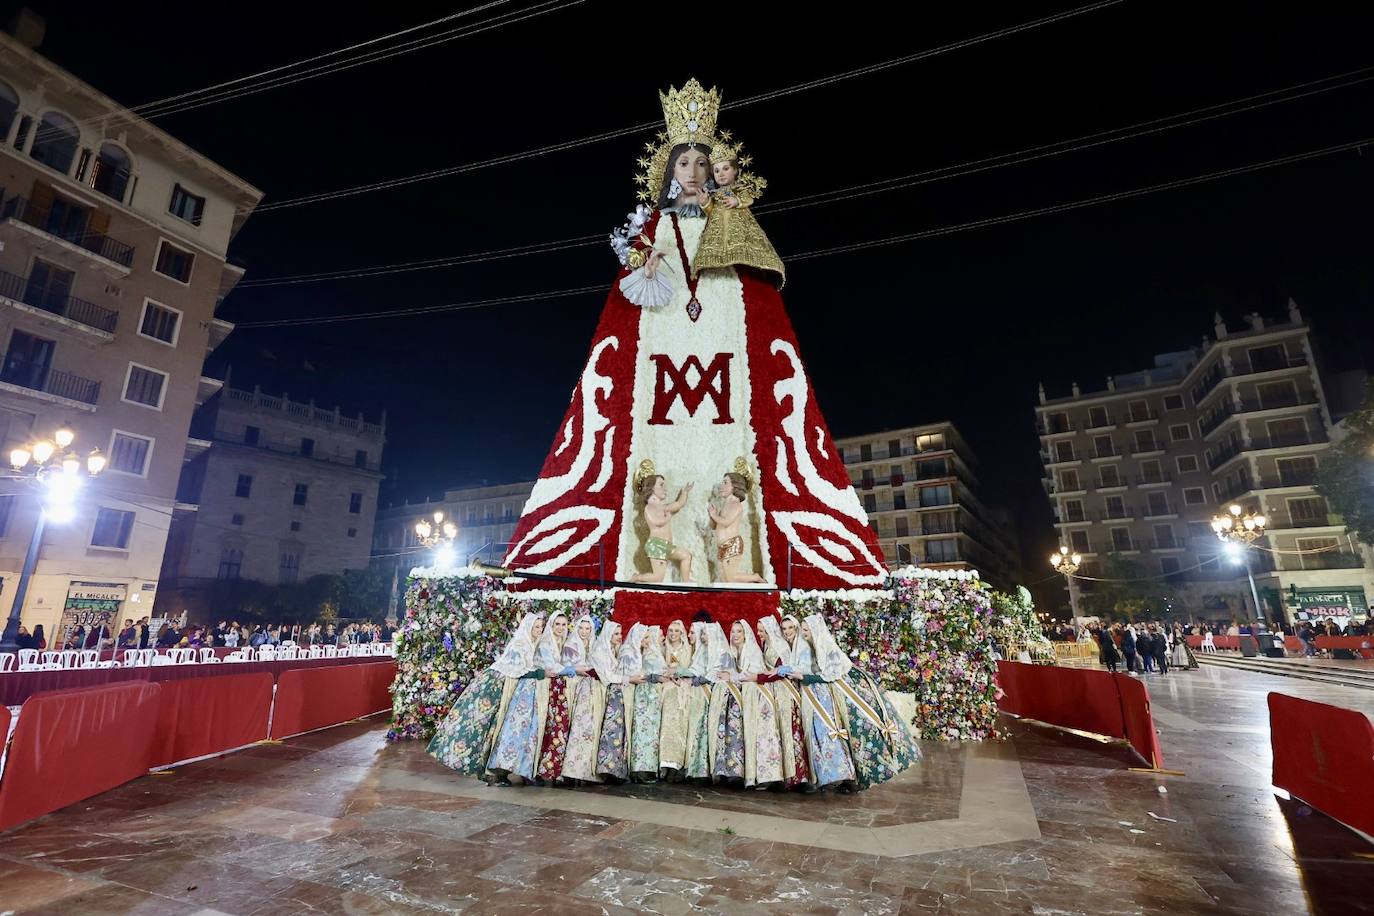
(463, 740)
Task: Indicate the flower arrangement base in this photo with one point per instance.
(725, 605)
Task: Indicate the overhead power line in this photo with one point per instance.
(958, 170)
(640, 128)
(858, 246)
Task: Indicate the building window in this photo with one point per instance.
(1173, 402)
(1097, 417)
(1150, 471)
(1121, 539)
(899, 500)
(6, 505)
(935, 442)
(1057, 423)
(1111, 476)
(1079, 541)
(295, 526)
(1286, 432)
(1073, 510)
(1140, 411)
(48, 287)
(1116, 507)
(307, 448)
(244, 488)
(186, 205)
(1201, 530)
(941, 551)
(230, 564)
(174, 262)
(129, 454)
(55, 143)
(289, 569)
(1297, 472)
(236, 519)
(870, 503)
(904, 554)
(302, 490)
(894, 448)
(1102, 447)
(1194, 496)
(929, 470)
(1180, 432)
(865, 453)
(360, 459)
(1277, 394)
(903, 528)
(1307, 512)
(937, 496)
(159, 322)
(352, 532)
(112, 528)
(1168, 565)
(251, 435)
(1158, 503)
(1187, 464)
(1063, 451)
(1145, 440)
(145, 386)
(1068, 481)
(355, 503)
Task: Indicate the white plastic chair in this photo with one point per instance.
(316, 652)
(208, 657)
(266, 654)
(28, 660)
(7, 661)
(234, 657)
(1208, 643)
(87, 658)
(161, 658)
(69, 658)
(331, 651)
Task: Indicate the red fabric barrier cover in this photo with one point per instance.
(308, 699)
(1292, 644)
(208, 715)
(1324, 755)
(1071, 697)
(15, 687)
(72, 744)
(1115, 705)
(1140, 722)
(1361, 645)
(662, 608)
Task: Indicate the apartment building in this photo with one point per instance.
(113, 236)
(1140, 468)
(485, 517)
(920, 489)
(279, 491)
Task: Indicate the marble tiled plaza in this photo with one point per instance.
(1052, 823)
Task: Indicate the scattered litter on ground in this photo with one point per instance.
(1125, 823)
(1163, 791)
(1158, 818)
(1137, 831)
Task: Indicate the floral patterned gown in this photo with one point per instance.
(611, 759)
(558, 721)
(464, 738)
(868, 741)
(729, 725)
(516, 752)
(648, 719)
(905, 751)
(584, 731)
(830, 759)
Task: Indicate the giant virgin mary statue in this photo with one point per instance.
(695, 377)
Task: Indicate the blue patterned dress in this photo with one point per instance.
(729, 762)
(610, 752)
(516, 751)
(462, 739)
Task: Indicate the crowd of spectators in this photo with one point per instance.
(230, 634)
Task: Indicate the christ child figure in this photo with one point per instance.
(658, 518)
(726, 512)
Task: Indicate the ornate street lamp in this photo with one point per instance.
(1238, 530)
(56, 470)
(439, 535)
(1067, 563)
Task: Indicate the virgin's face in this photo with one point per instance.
(560, 627)
(690, 169)
(789, 629)
(584, 630)
(737, 634)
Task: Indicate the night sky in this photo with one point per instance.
(959, 326)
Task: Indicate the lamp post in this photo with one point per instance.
(1239, 530)
(439, 535)
(1068, 563)
(56, 470)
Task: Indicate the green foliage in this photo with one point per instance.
(1345, 475)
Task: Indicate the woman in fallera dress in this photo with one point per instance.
(777, 655)
(708, 638)
(588, 707)
(677, 697)
(464, 739)
(827, 742)
(516, 749)
(618, 663)
(648, 707)
(747, 747)
(565, 652)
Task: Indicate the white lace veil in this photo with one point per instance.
(831, 662)
(518, 656)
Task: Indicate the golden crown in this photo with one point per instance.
(689, 115)
(644, 472)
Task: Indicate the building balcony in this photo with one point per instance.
(24, 292)
(49, 384)
(1332, 560)
(1115, 515)
(1151, 515)
(1208, 383)
(1053, 460)
(1236, 489)
(1261, 443)
(56, 224)
(1080, 518)
(1231, 410)
(1055, 429)
(1163, 546)
(1106, 455)
(1120, 482)
(1107, 423)
(1135, 420)
(1155, 480)
(1153, 450)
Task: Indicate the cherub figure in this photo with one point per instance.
(658, 517)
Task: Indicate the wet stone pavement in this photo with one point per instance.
(1048, 822)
